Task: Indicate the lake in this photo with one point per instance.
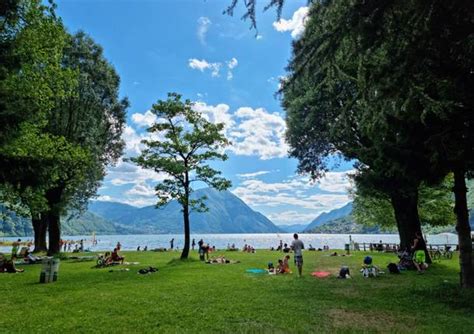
(258, 241)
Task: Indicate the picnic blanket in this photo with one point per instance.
(320, 274)
(256, 271)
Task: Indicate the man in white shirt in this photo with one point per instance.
(297, 246)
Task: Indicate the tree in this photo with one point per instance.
(32, 80)
(327, 115)
(435, 206)
(410, 64)
(90, 125)
(182, 143)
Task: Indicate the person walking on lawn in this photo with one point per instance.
(297, 246)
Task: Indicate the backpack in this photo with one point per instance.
(344, 272)
(393, 268)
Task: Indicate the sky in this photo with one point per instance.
(231, 73)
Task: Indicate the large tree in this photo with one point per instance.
(399, 76)
(182, 143)
(90, 122)
(32, 80)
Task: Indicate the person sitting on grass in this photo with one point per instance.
(271, 268)
(368, 268)
(116, 257)
(9, 267)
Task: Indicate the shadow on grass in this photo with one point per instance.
(451, 295)
(179, 262)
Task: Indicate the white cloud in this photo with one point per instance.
(216, 114)
(129, 173)
(336, 182)
(142, 189)
(203, 64)
(301, 199)
(144, 120)
(132, 140)
(291, 217)
(296, 24)
(215, 68)
(231, 64)
(203, 27)
(252, 132)
(104, 198)
(252, 175)
(258, 37)
(259, 133)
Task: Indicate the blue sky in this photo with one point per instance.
(230, 71)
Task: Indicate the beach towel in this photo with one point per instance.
(320, 274)
(256, 271)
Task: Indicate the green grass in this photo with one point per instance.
(194, 297)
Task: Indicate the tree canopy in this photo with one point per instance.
(182, 143)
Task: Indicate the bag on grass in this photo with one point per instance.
(393, 268)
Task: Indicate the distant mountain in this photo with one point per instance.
(346, 225)
(296, 228)
(111, 210)
(88, 223)
(227, 214)
(329, 216)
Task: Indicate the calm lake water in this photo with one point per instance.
(258, 241)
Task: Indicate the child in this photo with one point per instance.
(271, 268)
(368, 269)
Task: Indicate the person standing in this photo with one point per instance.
(172, 243)
(297, 246)
(193, 244)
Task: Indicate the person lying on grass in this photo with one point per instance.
(220, 260)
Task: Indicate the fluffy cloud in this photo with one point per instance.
(144, 120)
(142, 189)
(252, 132)
(216, 114)
(336, 182)
(301, 199)
(291, 217)
(203, 27)
(132, 140)
(259, 133)
(203, 64)
(296, 24)
(215, 68)
(128, 173)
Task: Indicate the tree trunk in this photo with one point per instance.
(54, 228)
(405, 206)
(466, 258)
(54, 222)
(185, 253)
(40, 226)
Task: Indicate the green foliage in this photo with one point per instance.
(435, 206)
(186, 141)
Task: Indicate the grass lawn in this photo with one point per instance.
(195, 297)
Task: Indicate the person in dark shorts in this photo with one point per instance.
(297, 246)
